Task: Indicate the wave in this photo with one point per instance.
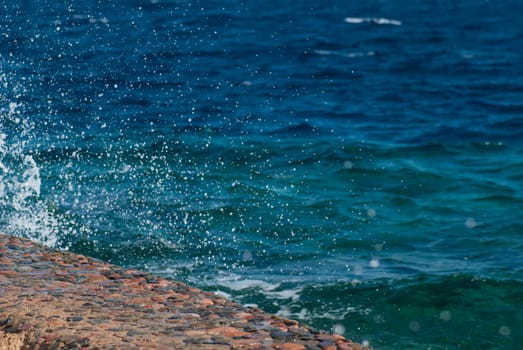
(438, 312)
(374, 20)
(23, 212)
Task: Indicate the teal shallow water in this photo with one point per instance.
(411, 246)
(398, 244)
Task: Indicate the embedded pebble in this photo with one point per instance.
(279, 335)
(250, 328)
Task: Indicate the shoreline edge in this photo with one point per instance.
(52, 300)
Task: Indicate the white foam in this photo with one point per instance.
(39, 225)
(355, 20)
(309, 315)
(223, 294)
(293, 294)
(235, 283)
(380, 21)
(270, 290)
(22, 210)
(286, 312)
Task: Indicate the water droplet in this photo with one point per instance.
(504, 331)
(247, 255)
(470, 223)
(374, 263)
(445, 315)
(348, 164)
(338, 329)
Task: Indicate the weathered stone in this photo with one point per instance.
(290, 346)
(279, 335)
(59, 300)
(228, 332)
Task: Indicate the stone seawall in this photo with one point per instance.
(52, 299)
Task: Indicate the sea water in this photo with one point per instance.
(356, 165)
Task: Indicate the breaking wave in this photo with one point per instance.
(23, 212)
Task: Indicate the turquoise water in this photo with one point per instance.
(355, 166)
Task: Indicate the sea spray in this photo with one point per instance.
(22, 210)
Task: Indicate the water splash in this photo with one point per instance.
(22, 210)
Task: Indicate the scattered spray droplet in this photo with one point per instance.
(338, 329)
(505, 331)
(471, 223)
(445, 315)
(247, 255)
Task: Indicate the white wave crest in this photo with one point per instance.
(380, 21)
(270, 290)
(236, 283)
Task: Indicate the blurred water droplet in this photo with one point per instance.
(247, 255)
(505, 331)
(348, 164)
(471, 223)
(374, 263)
(445, 315)
(338, 329)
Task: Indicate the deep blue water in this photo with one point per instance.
(355, 165)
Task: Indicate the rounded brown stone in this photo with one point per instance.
(206, 302)
(228, 331)
(328, 347)
(290, 346)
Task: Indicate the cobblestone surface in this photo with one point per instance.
(52, 300)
